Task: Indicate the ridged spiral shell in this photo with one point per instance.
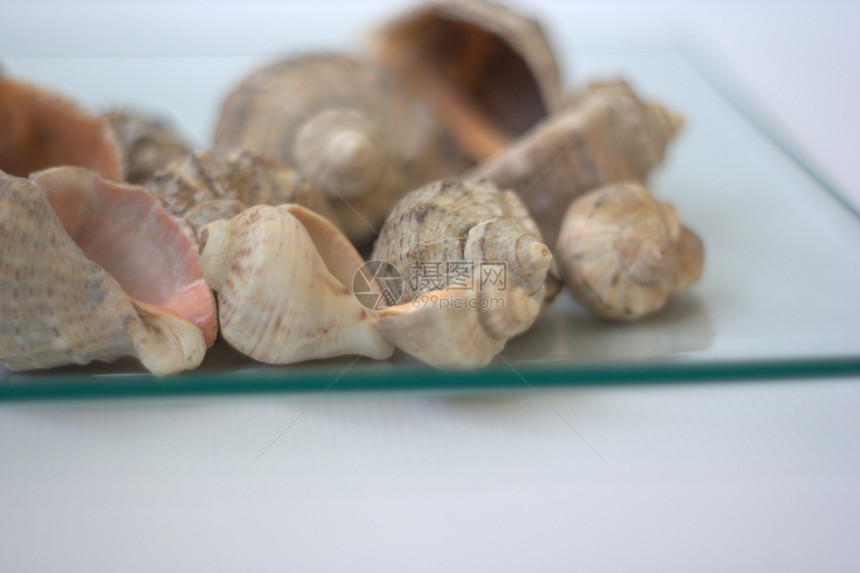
(206, 186)
(350, 129)
(473, 269)
(622, 253)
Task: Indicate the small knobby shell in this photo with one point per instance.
(282, 276)
(41, 129)
(473, 269)
(604, 135)
(147, 143)
(351, 129)
(205, 186)
(91, 269)
(488, 71)
(622, 252)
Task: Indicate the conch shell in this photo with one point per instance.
(282, 276)
(622, 252)
(473, 269)
(350, 129)
(488, 71)
(41, 129)
(204, 187)
(604, 135)
(94, 270)
(148, 144)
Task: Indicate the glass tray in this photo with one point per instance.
(779, 296)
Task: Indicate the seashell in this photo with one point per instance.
(148, 144)
(622, 252)
(605, 135)
(351, 129)
(94, 270)
(473, 269)
(41, 129)
(488, 71)
(204, 187)
(281, 275)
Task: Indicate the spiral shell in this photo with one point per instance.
(622, 252)
(281, 274)
(605, 134)
(148, 144)
(488, 71)
(41, 129)
(93, 270)
(473, 269)
(349, 128)
(205, 187)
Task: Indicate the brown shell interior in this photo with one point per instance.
(40, 129)
(481, 87)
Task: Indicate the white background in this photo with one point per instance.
(740, 476)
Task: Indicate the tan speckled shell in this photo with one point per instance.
(206, 186)
(622, 253)
(350, 129)
(606, 134)
(433, 236)
(282, 276)
(58, 303)
(41, 129)
(148, 144)
(488, 70)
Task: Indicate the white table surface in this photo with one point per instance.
(739, 476)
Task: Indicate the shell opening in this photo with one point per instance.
(481, 87)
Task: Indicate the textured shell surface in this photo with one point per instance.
(605, 134)
(206, 186)
(488, 70)
(450, 222)
(148, 143)
(281, 274)
(622, 253)
(41, 129)
(85, 286)
(473, 270)
(351, 129)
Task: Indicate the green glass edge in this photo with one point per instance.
(370, 377)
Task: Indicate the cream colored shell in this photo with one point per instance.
(605, 134)
(87, 286)
(622, 253)
(283, 277)
(435, 236)
(349, 128)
